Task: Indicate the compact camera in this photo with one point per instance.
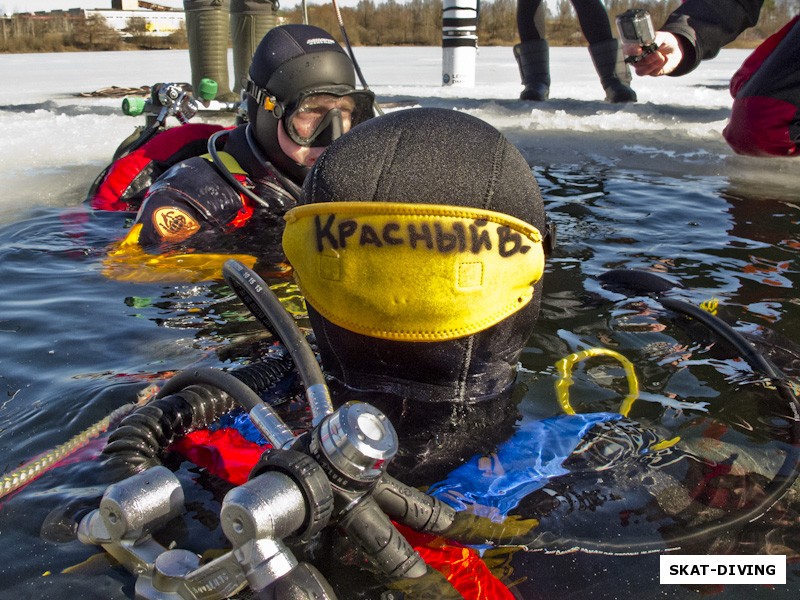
(636, 27)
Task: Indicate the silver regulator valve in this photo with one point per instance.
(170, 100)
(336, 474)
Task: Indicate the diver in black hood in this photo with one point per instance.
(422, 277)
(301, 95)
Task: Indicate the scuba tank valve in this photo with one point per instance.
(166, 99)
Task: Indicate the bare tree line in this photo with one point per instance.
(59, 33)
(369, 23)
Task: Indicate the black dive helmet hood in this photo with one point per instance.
(445, 398)
(289, 62)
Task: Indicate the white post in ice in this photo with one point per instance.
(459, 42)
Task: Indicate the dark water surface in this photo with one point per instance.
(76, 345)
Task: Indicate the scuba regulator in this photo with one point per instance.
(334, 474)
(169, 99)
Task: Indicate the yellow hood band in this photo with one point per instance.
(129, 262)
(413, 272)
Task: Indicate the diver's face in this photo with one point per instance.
(313, 116)
(303, 155)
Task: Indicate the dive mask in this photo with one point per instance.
(320, 116)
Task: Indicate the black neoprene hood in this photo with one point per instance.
(290, 60)
(446, 399)
(294, 58)
(433, 156)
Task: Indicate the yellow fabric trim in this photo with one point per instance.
(128, 262)
(413, 272)
(230, 163)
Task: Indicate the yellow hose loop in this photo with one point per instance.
(31, 470)
(564, 368)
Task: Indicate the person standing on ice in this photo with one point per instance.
(301, 96)
(533, 57)
(765, 118)
(207, 25)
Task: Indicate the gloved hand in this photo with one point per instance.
(661, 62)
(431, 586)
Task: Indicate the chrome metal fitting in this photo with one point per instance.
(141, 504)
(269, 506)
(358, 441)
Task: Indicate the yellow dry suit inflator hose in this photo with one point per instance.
(565, 365)
(564, 368)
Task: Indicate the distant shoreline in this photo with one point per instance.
(746, 44)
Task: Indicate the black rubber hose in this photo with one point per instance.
(140, 438)
(221, 380)
(265, 306)
(265, 375)
(223, 170)
(146, 135)
(287, 185)
(783, 480)
(187, 402)
(726, 333)
(744, 348)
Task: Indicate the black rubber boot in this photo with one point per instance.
(615, 76)
(250, 21)
(207, 33)
(533, 58)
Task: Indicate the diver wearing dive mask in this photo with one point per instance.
(319, 116)
(300, 96)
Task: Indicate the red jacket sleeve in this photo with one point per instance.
(765, 119)
(127, 179)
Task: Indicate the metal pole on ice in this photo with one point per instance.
(459, 42)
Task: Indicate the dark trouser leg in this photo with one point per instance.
(593, 19)
(250, 21)
(207, 33)
(532, 52)
(614, 74)
(530, 20)
(605, 50)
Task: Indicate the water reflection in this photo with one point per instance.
(79, 345)
(737, 250)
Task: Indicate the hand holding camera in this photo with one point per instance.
(649, 52)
